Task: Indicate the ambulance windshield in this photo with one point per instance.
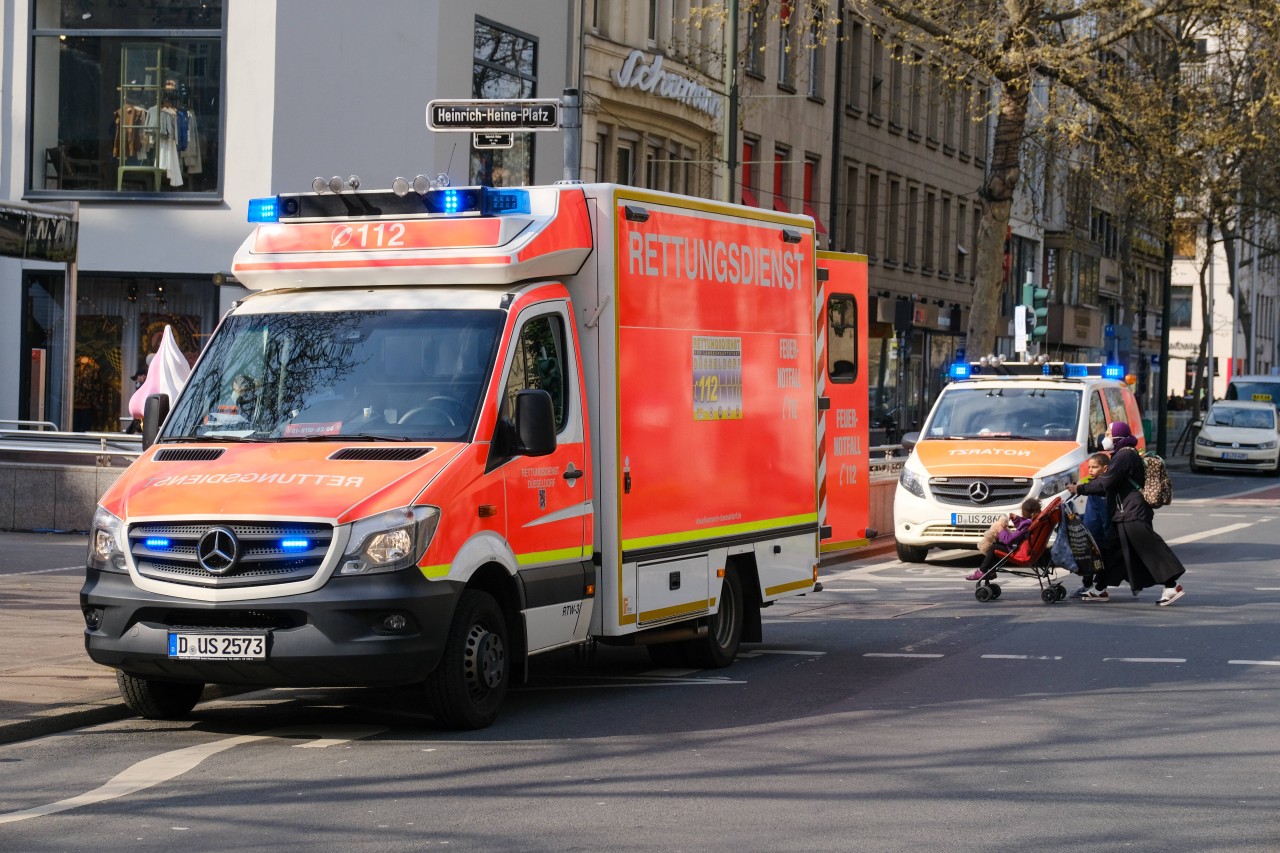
(1005, 412)
(376, 375)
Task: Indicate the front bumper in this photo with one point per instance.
(925, 523)
(1254, 459)
(332, 637)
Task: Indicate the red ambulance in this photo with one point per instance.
(453, 429)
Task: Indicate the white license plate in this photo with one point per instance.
(987, 518)
(184, 645)
(1235, 456)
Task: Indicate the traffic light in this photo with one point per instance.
(1037, 301)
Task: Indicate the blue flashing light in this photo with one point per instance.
(499, 201)
(1075, 371)
(1113, 371)
(264, 209)
(295, 544)
(959, 370)
(453, 201)
(158, 543)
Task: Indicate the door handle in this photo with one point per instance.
(573, 474)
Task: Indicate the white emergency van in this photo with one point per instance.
(998, 434)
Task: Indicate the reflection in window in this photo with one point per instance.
(503, 68)
(398, 375)
(538, 362)
(126, 96)
(842, 338)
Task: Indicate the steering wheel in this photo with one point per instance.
(444, 407)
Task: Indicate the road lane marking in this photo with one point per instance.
(1022, 657)
(898, 655)
(1148, 660)
(46, 571)
(1205, 534)
(1255, 662)
(169, 765)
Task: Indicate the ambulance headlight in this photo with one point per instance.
(912, 482)
(1055, 483)
(389, 541)
(106, 543)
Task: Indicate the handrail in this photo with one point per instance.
(102, 445)
(41, 424)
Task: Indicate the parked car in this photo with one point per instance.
(1239, 435)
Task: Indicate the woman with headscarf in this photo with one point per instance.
(1147, 559)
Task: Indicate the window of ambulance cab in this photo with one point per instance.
(1116, 409)
(538, 362)
(1097, 420)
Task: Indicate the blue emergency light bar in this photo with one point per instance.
(959, 370)
(453, 201)
(295, 544)
(1065, 370)
(1113, 371)
(157, 543)
(1075, 371)
(264, 209)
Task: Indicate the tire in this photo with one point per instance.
(158, 700)
(1061, 592)
(724, 630)
(995, 590)
(1191, 463)
(983, 593)
(1048, 595)
(912, 553)
(467, 687)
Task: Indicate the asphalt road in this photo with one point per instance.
(890, 712)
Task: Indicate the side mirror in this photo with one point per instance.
(154, 411)
(1197, 423)
(909, 440)
(535, 423)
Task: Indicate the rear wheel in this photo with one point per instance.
(912, 553)
(158, 700)
(467, 687)
(995, 590)
(724, 630)
(983, 593)
(1048, 595)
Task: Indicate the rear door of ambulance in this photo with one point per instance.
(843, 464)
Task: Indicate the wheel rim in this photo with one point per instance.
(485, 661)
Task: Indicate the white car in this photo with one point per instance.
(1239, 435)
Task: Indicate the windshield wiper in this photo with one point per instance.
(197, 439)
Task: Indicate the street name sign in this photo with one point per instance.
(488, 116)
(493, 139)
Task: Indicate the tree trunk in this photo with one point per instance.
(985, 320)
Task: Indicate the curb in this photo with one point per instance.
(60, 719)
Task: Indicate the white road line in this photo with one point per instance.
(46, 571)
(1148, 660)
(161, 768)
(788, 652)
(1206, 534)
(1022, 657)
(634, 681)
(1255, 662)
(1267, 588)
(897, 655)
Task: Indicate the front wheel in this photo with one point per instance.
(1192, 464)
(912, 553)
(467, 687)
(158, 700)
(724, 630)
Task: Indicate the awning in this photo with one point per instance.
(809, 211)
(780, 204)
(749, 198)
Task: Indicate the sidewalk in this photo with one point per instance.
(47, 682)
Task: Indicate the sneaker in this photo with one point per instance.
(1081, 592)
(975, 575)
(1170, 595)
(1095, 595)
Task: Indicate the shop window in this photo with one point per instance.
(504, 67)
(126, 97)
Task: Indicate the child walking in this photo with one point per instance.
(1014, 528)
(1096, 515)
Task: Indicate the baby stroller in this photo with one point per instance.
(1028, 556)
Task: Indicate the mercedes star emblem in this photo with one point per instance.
(979, 492)
(218, 550)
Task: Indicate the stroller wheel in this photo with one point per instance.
(983, 593)
(1048, 596)
(1061, 590)
(995, 590)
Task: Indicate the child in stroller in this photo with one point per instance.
(1025, 554)
(1008, 535)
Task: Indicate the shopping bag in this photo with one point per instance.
(1088, 556)
(1060, 551)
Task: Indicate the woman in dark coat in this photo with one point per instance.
(1147, 559)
